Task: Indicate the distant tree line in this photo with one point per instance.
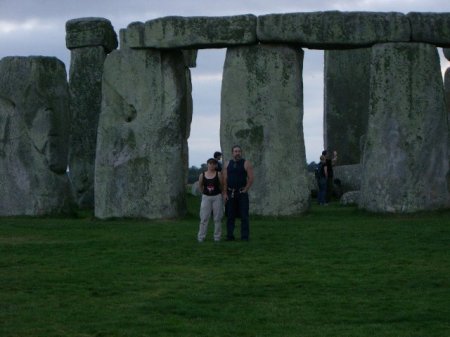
(312, 166)
(195, 171)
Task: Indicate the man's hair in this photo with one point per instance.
(235, 146)
(217, 154)
(324, 152)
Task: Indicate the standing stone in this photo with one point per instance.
(447, 90)
(346, 103)
(141, 135)
(190, 60)
(262, 110)
(349, 176)
(447, 102)
(90, 39)
(187, 122)
(34, 132)
(86, 71)
(405, 162)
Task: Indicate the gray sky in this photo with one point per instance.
(37, 27)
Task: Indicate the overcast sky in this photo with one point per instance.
(37, 27)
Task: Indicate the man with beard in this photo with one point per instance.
(237, 180)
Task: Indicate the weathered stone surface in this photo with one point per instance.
(447, 53)
(90, 32)
(141, 135)
(85, 87)
(447, 103)
(34, 131)
(195, 191)
(132, 36)
(346, 102)
(262, 110)
(447, 90)
(433, 28)
(333, 29)
(192, 32)
(190, 57)
(187, 121)
(405, 161)
(349, 175)
(350, 198)
(312, 183)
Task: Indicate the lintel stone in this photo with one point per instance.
(132, 36)
(333, 29)
(433, 28)
(90, 32)
(192, 32)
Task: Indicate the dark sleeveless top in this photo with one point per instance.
(211, 186)
(236, 174)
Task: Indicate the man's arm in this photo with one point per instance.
(249, 168)
(334, 160)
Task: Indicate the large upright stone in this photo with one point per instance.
(447, 90)
(349, 176)
(141, 136)
(333, 29)
(433, 28)
(191, 32)
(447, 103)
(34, 132)
(346, 102)
(262, 110)
(405, 164)
(90, 39)
(188, 120)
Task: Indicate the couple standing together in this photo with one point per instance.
(231, 186)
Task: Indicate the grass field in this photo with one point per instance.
(335, 271)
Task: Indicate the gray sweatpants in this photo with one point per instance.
(210, 203)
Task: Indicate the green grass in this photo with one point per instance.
(335, 271)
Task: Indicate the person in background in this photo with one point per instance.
(218, 156)
(237, 178)
(322, 181)
(210, 184)
(330, 160)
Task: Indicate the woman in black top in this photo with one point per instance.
(210, 183)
